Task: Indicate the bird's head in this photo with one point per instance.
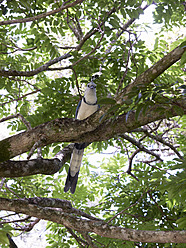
(90, 93)
(91, 85)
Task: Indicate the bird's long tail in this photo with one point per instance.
(74, 168)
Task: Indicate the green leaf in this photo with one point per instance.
(181, 222)
(6, 229)
(56, 149)
(183, 44)
(183, 59)
(178, 110)
(128, 101)
(3, 238)
(183, 87)
(106, 101)
(156, 43)
(114, 23)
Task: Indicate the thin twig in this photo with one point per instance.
(8, 117)
(20, 116)
(88, 239)
(79, 60)
(130, 164)
(156, 203)
(34, 18)
(27, 228)
(11, 190)
(19, 98)
(23, 80)
(36, 145)
(13, 221)
(124, 74)
(78, 239)
(161, 140)
(27, 124)
(140, 146)
(77, 85)
(134, 204)
(31, 225)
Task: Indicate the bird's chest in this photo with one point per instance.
(86, 110)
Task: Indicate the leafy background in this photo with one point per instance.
(157, 200)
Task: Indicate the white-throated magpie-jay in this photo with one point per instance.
(86, 107)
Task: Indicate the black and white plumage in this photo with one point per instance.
(86, 107)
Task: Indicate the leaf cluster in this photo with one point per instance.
(156, 201)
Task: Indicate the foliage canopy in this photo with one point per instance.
(49, 50)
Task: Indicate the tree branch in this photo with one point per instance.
(162, 141)
(140, 146)
(98, 227)
(89, 130)
(134, 204)
(34, 18)
(43, 67)
(29, 167)
(36, 166)
(153, 72)
(78, 239)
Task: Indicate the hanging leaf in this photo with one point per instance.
(179, 110)
(183, 59)
(106, 101)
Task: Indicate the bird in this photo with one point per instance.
(86, 107)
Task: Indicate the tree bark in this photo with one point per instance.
(12, 168)
(89, 130)
(153, 72)
(59, 213)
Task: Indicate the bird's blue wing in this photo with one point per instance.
(77, 109)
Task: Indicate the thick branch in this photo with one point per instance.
(36, 166)
(153, 72)
(89, 130)
(29, 167)
(98, 227)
